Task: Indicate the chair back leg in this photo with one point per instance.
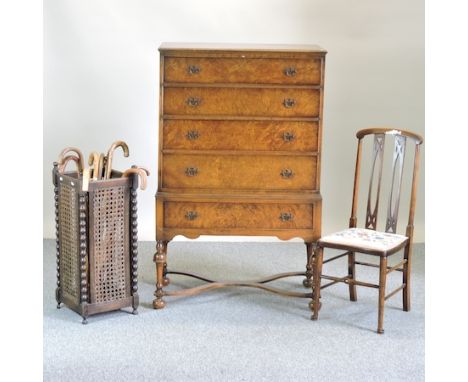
(382, 283)
(407, 278)
(352, 275)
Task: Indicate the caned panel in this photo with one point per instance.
(69, 241)
(110, 262)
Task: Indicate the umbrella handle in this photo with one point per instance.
(63, 164)
(141, 172)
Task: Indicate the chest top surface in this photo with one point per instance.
(233, 49)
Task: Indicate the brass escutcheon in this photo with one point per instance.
(287, 173)
(286, 216)
(191, 171)
(192, 135)
(288, 136)
(191, 215)
(289, 102)
(290, 72)
(193, 69)
(193, 101)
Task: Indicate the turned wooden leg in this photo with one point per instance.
(160, 259)
(134, 244)
(307, 282)
(352, 275)
(382, 282)
(166, 280)
(407, 278)
(83, 258)
(317, 271)
(58, 290)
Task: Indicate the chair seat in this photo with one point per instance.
(365, 241)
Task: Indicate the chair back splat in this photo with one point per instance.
(399, 151)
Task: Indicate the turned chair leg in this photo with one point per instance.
(407, 279)
(382, 282)
(352, 275)
(317, 271)
(160, 260)
(307, 282)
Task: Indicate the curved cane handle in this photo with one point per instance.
(110, 154)
(67, 150)
(63, 164)
(142, 172)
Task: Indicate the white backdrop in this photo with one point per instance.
(101, 78)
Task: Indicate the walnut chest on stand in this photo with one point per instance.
(240, 130)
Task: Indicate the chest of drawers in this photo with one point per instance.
(239, 143)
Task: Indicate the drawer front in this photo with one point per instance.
(261, 102)
(237, 215)
(238, 70)
(239, 172)
(240, 135)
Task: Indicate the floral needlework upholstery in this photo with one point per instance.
(366, 239)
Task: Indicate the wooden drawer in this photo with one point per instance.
(237, 215)
(240, 135)
(273, 102)
(240, 70)
(239, 172)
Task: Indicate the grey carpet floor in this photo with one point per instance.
(238, 334)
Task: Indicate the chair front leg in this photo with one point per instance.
(352, 275)
(317, 263)
(382, 283)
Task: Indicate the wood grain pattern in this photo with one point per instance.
(239, 70)
(242, 101)
(239, 172)
(240, 135)
(239, 146)
(238, 215)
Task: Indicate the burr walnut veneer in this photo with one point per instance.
(239, 148)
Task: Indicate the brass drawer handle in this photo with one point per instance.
(288, 136)
(290, 72)
(191, 171)
(191, 215)
(193, 101)
(287, 173)
(286, 217)
(192, 135)
(289, 102)
(193, 69)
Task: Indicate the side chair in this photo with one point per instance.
(368, 240)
